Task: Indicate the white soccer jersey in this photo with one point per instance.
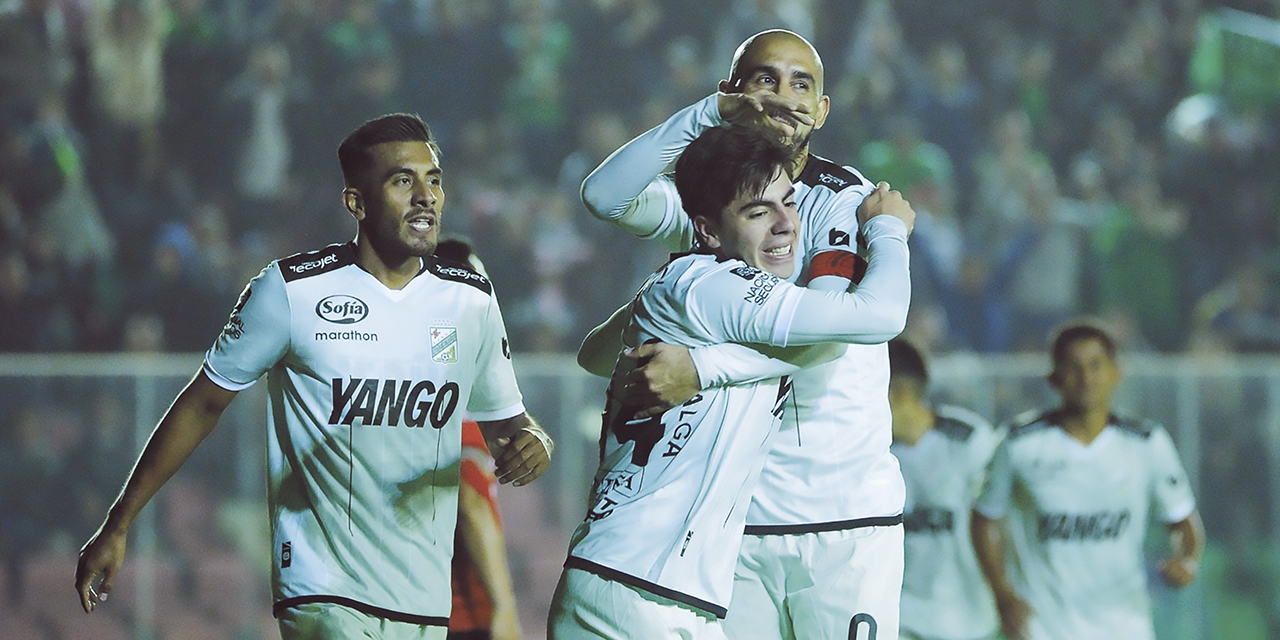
(671, 494)
(367, 388)
(944, 594)
(830, 468)
(1077, 515)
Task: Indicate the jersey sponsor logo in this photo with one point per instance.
(838, 238)
(1082, 527)
(342, 309)
(929, 520)
(322, 261)
(374, 401)
(831, 180)
(461, 274)
(745, 272)
(444, 344)
(761, 288)
(286, 555)
(349, 336)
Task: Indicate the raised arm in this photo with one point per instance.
(193, 415)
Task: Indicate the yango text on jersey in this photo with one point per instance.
(386, 402)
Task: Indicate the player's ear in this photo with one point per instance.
(353, 202)
(706, 231)
(727, 86)
(824, 108)
(1052, 378)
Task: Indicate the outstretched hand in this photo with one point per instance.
(655, 377)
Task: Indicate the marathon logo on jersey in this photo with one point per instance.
(745, 272)
(375, 402)
(444, 344)
(1082, 527)
(929, 520)
(286, 555)
(761, 288)
(346, 336)
(342, 309)
(838, 238)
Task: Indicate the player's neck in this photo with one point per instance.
(395, 272)
(798, 164)
(1084, 425)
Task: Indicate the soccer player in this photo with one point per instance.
(944, 451)
(1068, 494)
(655, 555)
(372, 351)
(484, 600)
(823, 552)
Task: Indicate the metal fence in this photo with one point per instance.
(198, 556)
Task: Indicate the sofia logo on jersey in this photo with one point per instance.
(342, 309)
(444, 344)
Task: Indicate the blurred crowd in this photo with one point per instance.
(1065, 158)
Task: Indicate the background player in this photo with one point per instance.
(1069, 494)
(944, 451)
(824, 545)
(373, 351)
(655, 557)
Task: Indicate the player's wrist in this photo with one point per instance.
(543, 437)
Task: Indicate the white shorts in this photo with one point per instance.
(830, 585)
(326, 620)
(586, 606)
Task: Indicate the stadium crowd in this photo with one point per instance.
(1066, 158)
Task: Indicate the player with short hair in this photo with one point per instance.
(823, 550)
(373, 350)
(1069, 494)
(655, 555)
(943, 450)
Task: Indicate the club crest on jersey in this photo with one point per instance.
(838, 238)
(342, 309)
(444, 344)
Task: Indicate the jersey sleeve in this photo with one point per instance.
(982, 447)
(1172, 499)
(495, 395)
(993, 499)
(256, 335)
(628, 190)
(833, 257)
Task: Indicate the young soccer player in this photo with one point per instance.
(656, 555)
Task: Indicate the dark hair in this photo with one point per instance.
(722, 164)
(906, 362)
(1074, 332)
(355, 154)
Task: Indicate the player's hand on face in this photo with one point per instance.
(523, 456)
(655, 377)
(764, 109)
(1179, 572)
(886, 202)
(100, 557)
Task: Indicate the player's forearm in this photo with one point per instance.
(988, 546)
(484, 542)
(1187, 539)
(876, 310)
(729, 363)
(618, 181)
(184, 426)
(599, 350)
